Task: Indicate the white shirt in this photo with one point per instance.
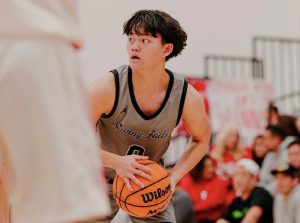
(286, 210)
(271, 161)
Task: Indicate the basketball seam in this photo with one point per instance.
(143, 189)
(139, 205)
(145, 164)
(125, 184)
(144, 206)
(121, 193)
(148, 205)
(146, 187)
(120, 201)
(117, 196)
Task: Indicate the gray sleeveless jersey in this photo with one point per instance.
(127, 130)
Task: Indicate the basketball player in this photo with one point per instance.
(46, 140)
(136, 107)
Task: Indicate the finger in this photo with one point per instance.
(137, 157)
(144, 168)
(136, 181)
(128, 185)
(142, 174)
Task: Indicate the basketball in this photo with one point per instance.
(147, 201)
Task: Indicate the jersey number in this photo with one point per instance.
(135, 150)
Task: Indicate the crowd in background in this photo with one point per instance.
(234, 183)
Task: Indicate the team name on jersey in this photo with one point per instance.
(153, 134)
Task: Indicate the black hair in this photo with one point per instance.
(294, 142)
(156, 23)
(196, 172)
(272, 108)
(276, 131)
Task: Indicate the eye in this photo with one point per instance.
(146, 41)
(130, 39)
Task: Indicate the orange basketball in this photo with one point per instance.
(147, 201)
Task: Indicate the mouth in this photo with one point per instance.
(134, 58)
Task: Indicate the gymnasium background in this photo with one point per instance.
(213, 27)
(236, 44)
(233, 42)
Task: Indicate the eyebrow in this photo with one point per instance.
(141, 34)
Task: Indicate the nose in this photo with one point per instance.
(135, 46)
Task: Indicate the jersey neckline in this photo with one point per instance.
(134, 102)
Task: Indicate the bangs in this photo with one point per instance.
(142, 25)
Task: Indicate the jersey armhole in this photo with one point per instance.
(117, 90)
(182, 100)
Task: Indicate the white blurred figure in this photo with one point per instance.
(287, 197)
(46, 138)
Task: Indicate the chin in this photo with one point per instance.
(135, 66)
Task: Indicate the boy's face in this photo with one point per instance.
(243, 180)
(294, 155)
(147, 52)
(209, 169)
(284, 183)
(271, 142)
(259, 147)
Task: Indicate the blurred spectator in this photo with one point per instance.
(183, 205)
(252, 204)
(184, 208)
(287, 198)
(227, 151)
(294, 154)
(285, 122)
(275, 142)
(257, 151)
(207, 190)
(298, 125)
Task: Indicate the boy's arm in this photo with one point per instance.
(197, 124)
(253, 215)
(101, 96)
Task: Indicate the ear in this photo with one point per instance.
(295, 181)
(168, 49)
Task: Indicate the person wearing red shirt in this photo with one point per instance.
(208, 192)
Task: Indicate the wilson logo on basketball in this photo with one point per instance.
(148, 197)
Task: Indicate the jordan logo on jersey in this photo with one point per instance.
(124, 110)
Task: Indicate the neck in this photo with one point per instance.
(246, 194)
(150, 80)
(288, 194)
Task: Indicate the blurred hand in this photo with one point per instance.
(127, 167)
